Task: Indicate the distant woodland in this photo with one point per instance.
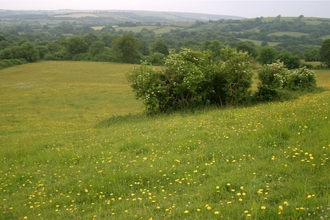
(129, 37)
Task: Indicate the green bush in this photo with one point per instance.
(82, 57)
(272, 78)
(148, 86)
(307, 65)
(191, 79)
(11, 62)
(60, 55)
(277, 82)
(301, 79)
(233, 78)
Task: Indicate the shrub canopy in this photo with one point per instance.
(193, 79)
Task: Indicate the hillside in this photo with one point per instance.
(75, 145)
(113, 16)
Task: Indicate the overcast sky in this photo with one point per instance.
(244, 8)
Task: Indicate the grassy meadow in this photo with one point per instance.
(75, 144)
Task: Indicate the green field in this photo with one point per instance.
(293, 34)
(258, 42)
(74, 144)
(137, 28)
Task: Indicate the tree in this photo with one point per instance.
(267, 55)
(77, 45)
(213, 46)
(54, 47)
(2, 38)
(97, 47)
(42, 51)
(156, 58)
(246, 47)
(160, 47)
(29, 52)
(90, 38)
(290, 61)
(325, 52)
(312, 55)
(107, 39)
(144, 48)
(126, 48)
(4, 44)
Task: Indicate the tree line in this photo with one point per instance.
(132, 49)
(73, 41)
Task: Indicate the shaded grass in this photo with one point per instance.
(270, 161)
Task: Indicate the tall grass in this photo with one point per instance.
(75, 145)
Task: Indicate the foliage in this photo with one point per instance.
(160, 47)
(26, 50)
(233, 79)
(4, 63)
(246, 47)
(29, 52)
(192, 79)
(272, 79)
(54, 47)
(77, 45)
(325, 52)
(97, 47)
(60, 55)
(290, 61)
(42, 51)
(301, 79)
(90, 39)
(126, 48)
(312, 55)
(147, 85)
(213, 46)
(4, 44)
(267, 55)
(275, 77)
(156, 58)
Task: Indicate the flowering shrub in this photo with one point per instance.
(275, 77)
(192, 79)
(301, 79)
(148, 86)
(272, 79)
(234, 77)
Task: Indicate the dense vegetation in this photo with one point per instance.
(72, 38)
(193, 79)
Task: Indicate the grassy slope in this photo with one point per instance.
(66, 153)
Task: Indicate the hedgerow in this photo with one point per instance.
(301, 79)
(11, 62)
(193, 79)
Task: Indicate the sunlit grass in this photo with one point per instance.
(75, 145)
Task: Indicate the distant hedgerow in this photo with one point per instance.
(11, 62)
